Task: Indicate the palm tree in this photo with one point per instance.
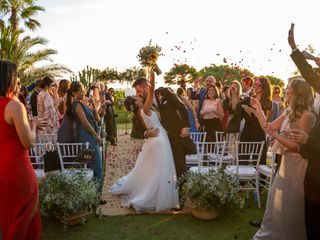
(18, 51)
(20, 10)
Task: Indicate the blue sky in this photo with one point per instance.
(109, 33)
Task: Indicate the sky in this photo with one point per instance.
(109, 33)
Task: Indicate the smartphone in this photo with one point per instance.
(90, 93)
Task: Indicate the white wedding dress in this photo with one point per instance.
(151, 185)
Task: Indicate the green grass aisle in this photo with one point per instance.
(227, 226)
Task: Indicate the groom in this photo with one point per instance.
(174, 118)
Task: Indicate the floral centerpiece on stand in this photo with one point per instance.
(68, 197)
(148, 57)
(210, 192)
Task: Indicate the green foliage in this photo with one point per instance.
(118, 98)
(16, 10)
(61, 194)
(130, 74)
(275, 81)
(180, 73)
(225, 73)
(87, 76)
(17, 49)
(214, 189)
(109, 75)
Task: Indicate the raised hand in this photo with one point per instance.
(255, 103)
(291, 40)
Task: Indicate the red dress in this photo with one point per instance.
(19, 206)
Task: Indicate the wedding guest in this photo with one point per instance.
(310, 145)
(110, 118)
(64, 84)
(277, 97)
(46, 106)
(235, 97)
(284, 215)
(252, 131)
(195, 90)
(85, 119)
(19, 205)
(210, 81)
(34, 97)
(211, 113)
(193, 118)
(247, 83)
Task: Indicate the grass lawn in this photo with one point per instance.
(228, 226)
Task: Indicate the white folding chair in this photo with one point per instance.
(248, 155)
(205, 159)
(267, 171)
(192, 159)
(68, 153)
(47, 137)
(36, 153)
(230, 139)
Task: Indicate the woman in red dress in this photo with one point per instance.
(19, 206)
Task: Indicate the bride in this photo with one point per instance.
(151, 185)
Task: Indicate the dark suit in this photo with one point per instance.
(33, 103)
(110, 120)
(174, 117)
(311, 151)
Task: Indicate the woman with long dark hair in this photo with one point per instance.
(19, 206)
(86, 129)
(211, 113)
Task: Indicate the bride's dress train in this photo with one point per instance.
(151, 185)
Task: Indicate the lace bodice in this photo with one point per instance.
(151, 121)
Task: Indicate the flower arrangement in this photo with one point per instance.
(214, 189)
(62, 195)
(148, 56)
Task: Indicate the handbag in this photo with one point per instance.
(51, 159)
(86, 155)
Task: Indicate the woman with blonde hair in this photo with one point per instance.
(284, 216)
(235, 91)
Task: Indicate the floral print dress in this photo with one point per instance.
(46, 109)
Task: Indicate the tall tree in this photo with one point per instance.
(18, 50)
(225, 73)
(180, 73)
(16, 10)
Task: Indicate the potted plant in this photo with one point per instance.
(69, 197)
(210, 192)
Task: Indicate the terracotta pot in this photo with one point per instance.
(204, 213)
(77, 218)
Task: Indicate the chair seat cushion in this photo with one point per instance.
(243, 172)
(192, 158)
(87, 172)
(225, 158)
(265, 170)
(202, 169)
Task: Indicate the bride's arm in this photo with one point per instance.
(149, 101)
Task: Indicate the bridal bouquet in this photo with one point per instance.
(148, 56)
